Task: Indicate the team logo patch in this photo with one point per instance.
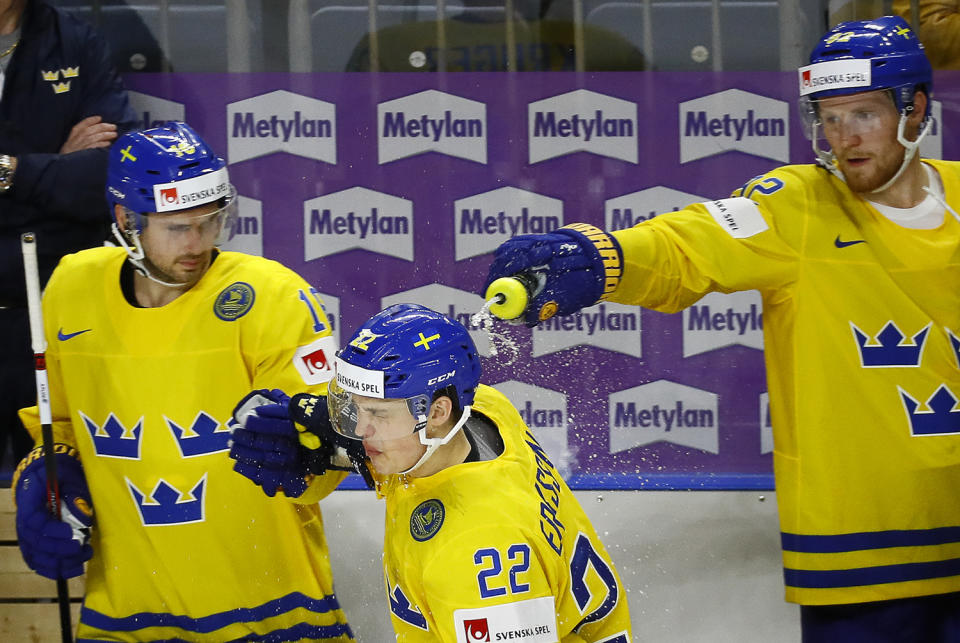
(426, 520)
(314, 361)
(234, 301)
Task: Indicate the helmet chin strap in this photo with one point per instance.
(433, 443)
(136, 256)
(910, 150)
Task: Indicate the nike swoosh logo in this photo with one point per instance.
(844, 244)
(62, 336)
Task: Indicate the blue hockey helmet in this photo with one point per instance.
(419, 352)
(407, 353)
(867, 55)
(165, 169)
(882, 54)
(161, 171)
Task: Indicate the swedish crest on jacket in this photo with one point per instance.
(57, 58)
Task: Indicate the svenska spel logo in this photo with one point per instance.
(316, 362)
(169, 196)
(476, 629)
(806, 78)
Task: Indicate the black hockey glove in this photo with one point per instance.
(311, 413)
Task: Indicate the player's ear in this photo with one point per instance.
(441, 410)
(919, 108)
(120, 213)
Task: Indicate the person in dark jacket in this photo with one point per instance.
(62, 104)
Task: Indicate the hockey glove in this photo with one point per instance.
(565, 270)
(272, 451)
(312, 414)
(52, 547)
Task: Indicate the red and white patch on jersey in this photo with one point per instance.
(314, 361)
(530, 621)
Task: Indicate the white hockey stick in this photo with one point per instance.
(28, 245)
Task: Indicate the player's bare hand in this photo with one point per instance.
(88, 134)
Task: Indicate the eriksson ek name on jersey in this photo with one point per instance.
(399, 124)
(698, 123)
(549, 125)
(247, 125)
(325, 222)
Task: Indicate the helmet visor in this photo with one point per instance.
(358, 411)
(210, 223)
(843, 116)
(381, 421)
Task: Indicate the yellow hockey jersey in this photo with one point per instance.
(498, 550)
(185, 548)
(861, 326)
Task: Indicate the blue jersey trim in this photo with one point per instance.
(213, 622)
(298, 632)
(835, 578)
(641, 482)
(869, 540)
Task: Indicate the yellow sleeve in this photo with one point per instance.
(727, 245)
(296, 328)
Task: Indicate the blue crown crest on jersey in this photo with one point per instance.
(167, 505)
(891, 348)
(204, 435)
(941, 416)
(113, 439)
(955, 343)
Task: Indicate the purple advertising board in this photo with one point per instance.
(384, 188)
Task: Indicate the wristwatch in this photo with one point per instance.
(6, 172)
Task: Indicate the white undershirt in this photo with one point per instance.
(926, 215)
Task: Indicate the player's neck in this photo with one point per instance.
(452, 453)
(907, 191)
(10, 13)
(150, 294)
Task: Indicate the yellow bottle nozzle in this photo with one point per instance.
(511, 297)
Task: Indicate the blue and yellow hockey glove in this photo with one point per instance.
(537, 276)
(272, 450)
(54, 548)
(311, 413)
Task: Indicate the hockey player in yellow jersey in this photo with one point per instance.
(858, 262)
(484, 540)
(150, 345)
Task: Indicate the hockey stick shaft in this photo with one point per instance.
(28, 245)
